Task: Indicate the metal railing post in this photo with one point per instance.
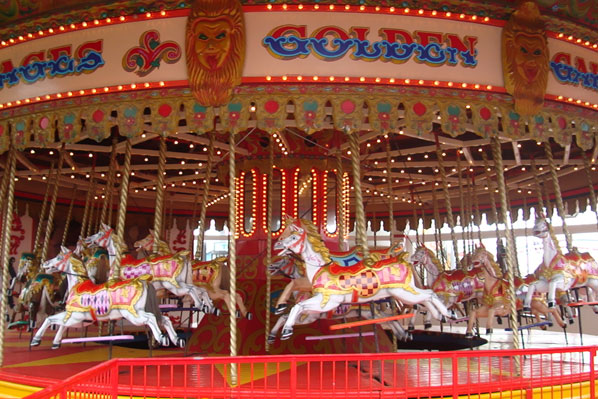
(592, 373)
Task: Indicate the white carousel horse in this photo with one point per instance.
(287, 266)
(561, 272)
(495, 301)
(454, 287)
(212, 275)
(134, 300)
(344, 311)
(333, 284)
(171, 272)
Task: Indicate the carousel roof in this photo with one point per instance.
(460, 120)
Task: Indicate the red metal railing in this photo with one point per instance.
(527, 373)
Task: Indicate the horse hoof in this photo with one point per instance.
(164, 340)
(410, 328)
(249, 316)
(280, 309)
(427, 326)
(543, 328)
(571, 321)
(216, 312)
(271, 339)
(488, 331)
(35, 342)
(238, 314)
(181, 343)
(55, 346)
(286, 334)
(442, 320)
(469, 335)
(527, 309)
(551, 304)
(499, 320)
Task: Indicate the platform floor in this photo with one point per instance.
(26, 370)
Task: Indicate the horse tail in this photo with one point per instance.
(151, 303)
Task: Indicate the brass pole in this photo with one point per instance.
(447, 201)
(232, 253)
(558, 197)
(504, 206)
(52, 210)
(159, 194)
(7, 225)
(360, 223)
(270, 192)
(42, 214)
(204, 200)
(122, 210)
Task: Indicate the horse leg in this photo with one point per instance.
(311, 304)
(281, 304)
(471, 323)
(148, 319)
(527, 302)
(174, 338)
(592, 288)
(56, 319)
(242, 308)
(553, 285)
(274, 331)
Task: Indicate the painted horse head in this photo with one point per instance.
(425, 257)
(541, 228)
(483, 258)
(101, 238)
(285, 266)
(147, 244)
(295, 235)
(27, 267)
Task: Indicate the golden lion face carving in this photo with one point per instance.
(215, 46)
(525, 59)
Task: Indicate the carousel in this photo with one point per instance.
(224, 198)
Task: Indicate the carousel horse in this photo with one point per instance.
(333, 284)
(287, 267)
(454, 287)
(212, 275)
(561, 272)
(95, 259)
(171, 272)
(344, 311)
(495, 301)
(39, 292)
(134, 300)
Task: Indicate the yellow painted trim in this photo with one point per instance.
(13, 390)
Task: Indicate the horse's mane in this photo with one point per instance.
(315, 239)
(78, 267)
(433, 258)
(553, 237)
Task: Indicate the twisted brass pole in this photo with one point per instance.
(43, 211)
(415, 220)
(340, 203)
(7, 226)
(437, 227)
(586, 165)
(461, 205)
(69, 214)
(204, 200)
(110, 182)
(122, 210)
(232, 253)
(557, 193)
(502, 189)
(159, 194)
(360, 224)
(491, 193)
(270, 192)
(476, 202)
(549, 207)
(538, 189)
(52, 210)
(447, 201)
(88, 202)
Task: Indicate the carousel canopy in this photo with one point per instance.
(424, 87)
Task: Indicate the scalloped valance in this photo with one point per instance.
(272, 108)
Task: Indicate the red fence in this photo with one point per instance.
(527, 373)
